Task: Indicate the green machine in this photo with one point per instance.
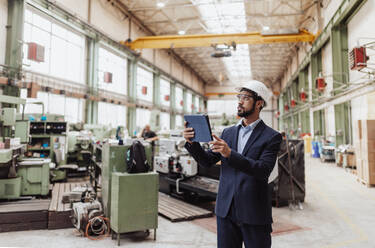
(11, 148)
(19, 176)
(114, 160)
(134, 204)
(34, 175)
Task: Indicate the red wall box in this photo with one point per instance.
(144, 90)
(35, 52)
(358, 58)
(107, 77)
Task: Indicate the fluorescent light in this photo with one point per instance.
(160, 4)
(181, 32)
(266, 28)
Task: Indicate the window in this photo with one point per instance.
(229, 107)
(117, 67)
(143, 118)
(164, 121)
(165, 92)
(64, 50)
(196, 104)
(179, 98)
(144, 84)
(179, 121)
(70, 108)
(111, 114)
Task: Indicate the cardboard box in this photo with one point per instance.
(350, 160)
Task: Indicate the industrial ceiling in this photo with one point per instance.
(264, 62)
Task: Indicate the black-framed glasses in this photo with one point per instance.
(244, 97)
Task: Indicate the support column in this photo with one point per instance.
(184, 97)
(14, 45)
(172, 99)
(132, 95)
(91, 112)
(156, 90)
(340, 64)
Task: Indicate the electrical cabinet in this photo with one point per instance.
(134, 204)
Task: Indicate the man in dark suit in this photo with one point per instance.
(247, 152)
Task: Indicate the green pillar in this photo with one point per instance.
(91, 112)
(316, 68)
(13, 55)
(340, 64)
(201, 105)
(156, 90)
(132, 96)
(342, 123)
(193, 103)
(319, 123)
(281, 110)
(184, 94)
(172, 99)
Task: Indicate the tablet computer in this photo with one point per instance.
(201, 125)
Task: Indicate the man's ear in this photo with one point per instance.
(260, 104)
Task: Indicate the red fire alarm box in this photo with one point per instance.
(286, 107)
(303, 96)
(293, 103)
(166, 98)
(35, 52)
(320, 84)
(144, 90)
(358, 58)
(107, 77)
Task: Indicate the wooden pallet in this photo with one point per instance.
(58, 212)
(176, 210)
(24, 215)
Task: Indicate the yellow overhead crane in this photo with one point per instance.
(207, 40)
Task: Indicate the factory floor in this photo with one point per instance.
(338, 212)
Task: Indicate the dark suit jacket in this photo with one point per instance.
(244, 177)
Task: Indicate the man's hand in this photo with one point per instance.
(219, 145)
(188, 133)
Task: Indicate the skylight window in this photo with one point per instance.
(228, 17)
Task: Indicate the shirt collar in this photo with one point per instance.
(251, 126)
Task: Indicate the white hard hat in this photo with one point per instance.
(257, 87)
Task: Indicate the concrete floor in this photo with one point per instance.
(338, 212)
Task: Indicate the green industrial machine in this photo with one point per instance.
(19, 176)
(114, 160)
(134, 202)
(35, 176)
(79, 151)
(11, 149)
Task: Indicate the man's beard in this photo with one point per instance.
(245, 113)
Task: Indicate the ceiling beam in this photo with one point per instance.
(207, 40)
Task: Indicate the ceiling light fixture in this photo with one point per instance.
(160, 4)
(266, 28)
(181, 32)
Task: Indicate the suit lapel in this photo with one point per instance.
(236, 130)
(255, 134)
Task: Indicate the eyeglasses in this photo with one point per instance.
(244, 97)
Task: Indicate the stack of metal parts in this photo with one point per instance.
(289, 186)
